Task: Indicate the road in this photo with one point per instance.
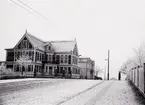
(67, 92)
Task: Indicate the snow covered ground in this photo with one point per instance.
(17, 80)
(119, 93)
(45, 92)
(108, 93)
(67, 92)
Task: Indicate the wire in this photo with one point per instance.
(24, 8)
(33, 10)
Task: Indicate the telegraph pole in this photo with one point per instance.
(108, 64)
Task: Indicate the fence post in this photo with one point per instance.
(138, 76)
(134, 75)
(144, 76)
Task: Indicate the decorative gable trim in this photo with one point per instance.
(25, 35)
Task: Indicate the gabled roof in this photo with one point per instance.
(36, 42)
(58, 46)
(62, 46)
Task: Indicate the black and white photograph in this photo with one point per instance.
(72, 52)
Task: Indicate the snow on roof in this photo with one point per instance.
(58, 46)
(63, 46)
(38, 43)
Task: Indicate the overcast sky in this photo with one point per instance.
(97, 25)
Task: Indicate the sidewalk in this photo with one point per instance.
(109, 93)
(121, 93)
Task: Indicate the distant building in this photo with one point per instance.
(87, 68)
(48, 59)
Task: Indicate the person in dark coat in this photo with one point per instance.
(119, 75)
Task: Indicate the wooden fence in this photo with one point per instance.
(137, 76)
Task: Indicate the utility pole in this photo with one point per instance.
(108, 63)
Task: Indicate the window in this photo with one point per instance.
(31, 67)
(61, 69)
(53, 59)
(10, 66)
(36, 56)
(61, 59)
(65, 68)
(18, 68)
(18, 55)
(44, 57)
(50, 58)
(10, 56)
(30, 55)
(39, 56)
(47, 47)
(66, 60)
(57, 59)
(25, 44)
(27, 53)
(21, 45)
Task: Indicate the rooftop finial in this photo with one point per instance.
(26, 31)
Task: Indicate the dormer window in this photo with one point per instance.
(48, 47)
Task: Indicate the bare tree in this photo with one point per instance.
(98, 70)
(140, 54)
(129, 64)
(137, 60)
(22, 62)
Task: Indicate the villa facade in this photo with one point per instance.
(34, 57)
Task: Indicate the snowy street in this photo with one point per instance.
(66, 92)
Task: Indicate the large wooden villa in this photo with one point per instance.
(34, 57)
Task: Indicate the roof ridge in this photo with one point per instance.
(34, 37)
(59, 41)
